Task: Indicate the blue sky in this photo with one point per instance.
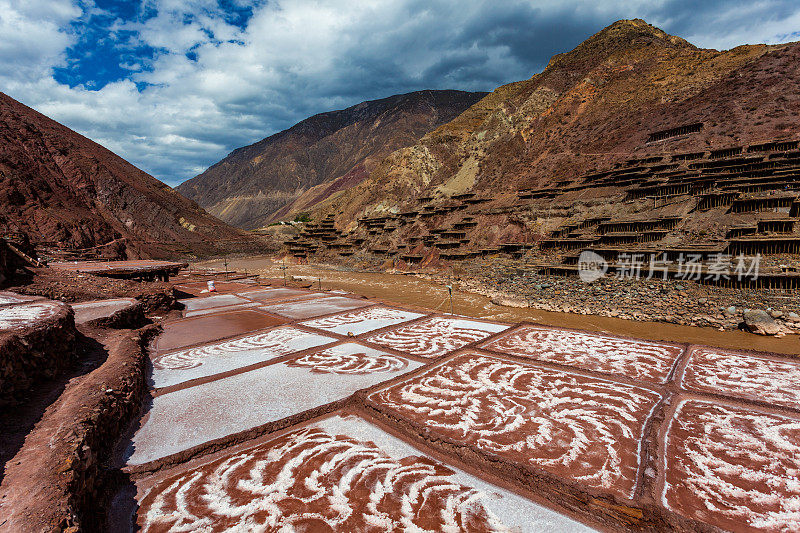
(174, 85)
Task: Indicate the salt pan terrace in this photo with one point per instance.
(138, 269)
(88, 311)
(37, 338)
(283, 409)
(18, 312)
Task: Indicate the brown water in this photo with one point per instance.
(411, 290)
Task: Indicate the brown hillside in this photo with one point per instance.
(62, 188)
(589, 108)
(319, 156)
(601, 133)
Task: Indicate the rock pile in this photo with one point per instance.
(676, 302)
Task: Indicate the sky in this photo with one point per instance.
(175, 85)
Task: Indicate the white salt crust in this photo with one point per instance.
(279, 482)
(188, 417)
(590, 428)
(263, 295)
(315, 307)
(179, 366)
(26, 314)
(743, 376)
(213, 310)
(86, 311)
(209, 302)
(436, 336)
(13, 298)
(729, 449)
(642, 360)
(362, 320)
(350, 358)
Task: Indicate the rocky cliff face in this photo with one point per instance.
(62, 188)
(319, 157)
(590, 109)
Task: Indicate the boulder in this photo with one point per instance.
(759, 322)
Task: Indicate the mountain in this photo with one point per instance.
(634, 142)
(318, 157)
(67, 191)
(589, 110)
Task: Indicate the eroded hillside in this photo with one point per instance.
(320, 156)
(633, 141)
(65, 190)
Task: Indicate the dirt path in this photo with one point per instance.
(17, 423)
(53, 457)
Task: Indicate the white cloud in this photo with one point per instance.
(299, 57)
(31, 36)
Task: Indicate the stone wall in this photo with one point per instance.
(64, 487)
(99, 428)
(38, 351)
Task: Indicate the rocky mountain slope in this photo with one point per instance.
(635, 142)
(61, 188)
(590, 108)
(320, 156)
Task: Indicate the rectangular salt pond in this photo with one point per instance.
(183, 365)
(582, 429)
(213, 310)
(372, 478)
(204, 329)
(14, 298)
(188, 417)
(208, 302)
(436, 336)
(315, 307)
(265, 295)
(760, 378)
(516, 512)
(362, 320)
(731, 466)
(634, 358)
(26, 314)
(86, 311)
(200, 288)
(350, 358)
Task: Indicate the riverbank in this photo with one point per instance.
(679, 302)
(473, 295)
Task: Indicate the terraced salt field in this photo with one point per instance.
(27, 314)
(331, 412)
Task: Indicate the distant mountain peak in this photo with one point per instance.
(622, 35)
(593, 107)
(319, 156)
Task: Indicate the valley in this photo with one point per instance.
(568, 304)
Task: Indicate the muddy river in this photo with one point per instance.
(411, 290)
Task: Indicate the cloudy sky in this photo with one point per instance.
(174, 85)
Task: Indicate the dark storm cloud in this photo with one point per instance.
(174, 85)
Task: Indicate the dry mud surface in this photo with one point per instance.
(329, 412)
